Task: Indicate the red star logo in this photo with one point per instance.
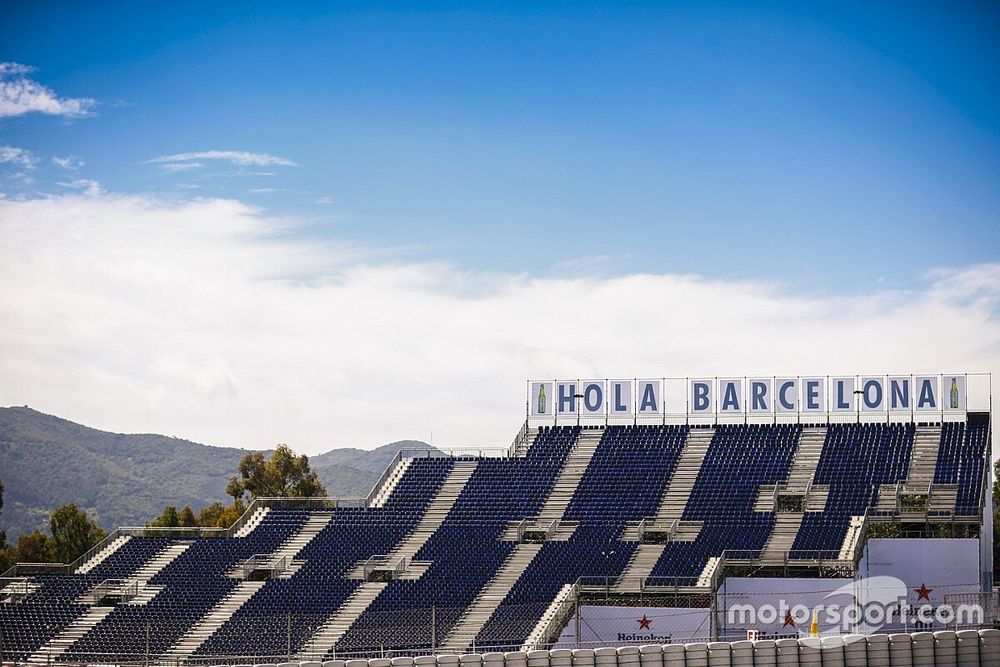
(644, 622)
(923, 593)
(788, 619)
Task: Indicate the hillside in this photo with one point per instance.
(123, 479)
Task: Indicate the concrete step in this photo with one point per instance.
(103, 554)
(70, 635)
(482, 608)
(213, 620)
(782, 538)
(340, 622)
(678, 491)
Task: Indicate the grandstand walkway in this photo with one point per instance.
(923, 457)
(103, 554)
(341, 620)
(61, 643)
(396, 474)
(205, 627)
(671, 508)
(800, 477)
(475, 617)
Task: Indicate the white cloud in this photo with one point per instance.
(89, 187)
(174, 167)
(241, 158)
(206, 319)
(324, 200)
(19, 157)
(20, 95)
(69, 163)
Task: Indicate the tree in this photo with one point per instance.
(186, 518)
(284, 475)
(33, 548)
(7, 556)
(167, 519)
(73, 533)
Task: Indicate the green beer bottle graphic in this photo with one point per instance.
(954, 393)
(541, 399)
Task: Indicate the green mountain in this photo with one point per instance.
(121, 479)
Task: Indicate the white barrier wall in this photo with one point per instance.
(777, 608)
(930, 568)
(967, 648)
(618, 625)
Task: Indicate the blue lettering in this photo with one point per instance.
(593, 391)
(731, 399)
(812, 394)
(877, 402)
(759, 392)
(619, 402)
(567, 397)
(782, 394)
(648, 402)
(700, 398)
(927, 395)
(900, 393)
(842, 402)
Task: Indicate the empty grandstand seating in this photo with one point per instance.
(623, 483)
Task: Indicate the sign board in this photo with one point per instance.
(757, 396)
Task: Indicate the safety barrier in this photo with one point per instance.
(965, 648)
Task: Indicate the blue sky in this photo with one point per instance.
(247, 223)
(830, 147)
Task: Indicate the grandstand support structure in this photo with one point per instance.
(328, 634)
(475, 617)
(671, 507)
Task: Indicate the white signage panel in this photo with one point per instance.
(731, 396)
(620, 398)
(592, 398)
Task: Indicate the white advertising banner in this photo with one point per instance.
(540, 400)
(761, 400)
(900, 395)
(611, 626)
(814, 394)
(620, 398)
(926, 393)
(731, 396)
(894, 395)
(786, 394)
(843, 396)
(648, 396)
(592, 397)
(701, 400)
(872, 394)
(953, 392)
(566, 397)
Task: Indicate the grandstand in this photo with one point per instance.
(455, 552)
